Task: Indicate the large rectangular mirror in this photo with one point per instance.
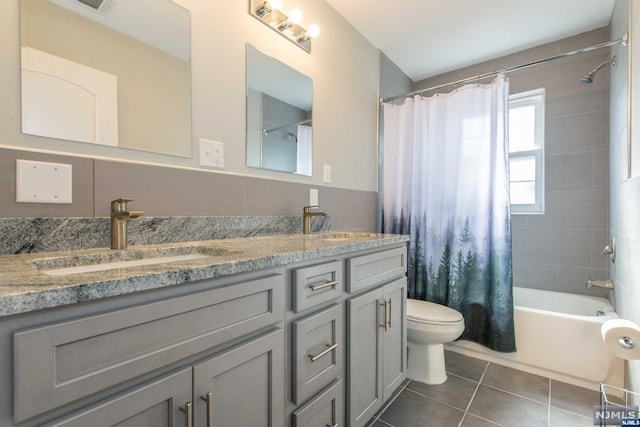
(108, 72)
(279, 121)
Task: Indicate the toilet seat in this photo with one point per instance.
(426, 312)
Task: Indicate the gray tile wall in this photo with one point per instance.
(624, 195)
(560, 250)
(166, 191)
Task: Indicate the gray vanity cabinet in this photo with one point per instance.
(376, 338)
(243, 387)
(117, 366)
(157, 404)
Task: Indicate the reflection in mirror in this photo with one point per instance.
(279, 106)
(117, 76)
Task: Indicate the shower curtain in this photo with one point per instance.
(305, 151)
(446, 184)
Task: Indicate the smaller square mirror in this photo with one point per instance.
(279, 115)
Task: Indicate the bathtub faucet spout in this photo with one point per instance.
(607, 284)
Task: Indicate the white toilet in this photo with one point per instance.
(429, 326)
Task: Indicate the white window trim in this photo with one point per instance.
(536, 98)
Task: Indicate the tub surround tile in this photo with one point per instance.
(24, 288)
(29, 235)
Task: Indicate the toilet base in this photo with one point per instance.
(426, 363)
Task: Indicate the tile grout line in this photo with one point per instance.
(473, 396)
(387, 404)
(549, 405)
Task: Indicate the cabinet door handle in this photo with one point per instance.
(327, 350)
(332, 425)
(208, 397)
(389, 321)
(188, 422)
(323, 285)
(385, 323)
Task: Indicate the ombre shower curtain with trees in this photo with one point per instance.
(446, 184)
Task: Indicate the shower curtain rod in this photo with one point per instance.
(304, 122)
(622, 41)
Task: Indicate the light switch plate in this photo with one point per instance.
(211, 153)
(326, 174)
(42, 182)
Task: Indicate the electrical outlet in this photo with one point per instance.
(211, 153)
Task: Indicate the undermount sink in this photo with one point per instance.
(340, 236)
(110, 260)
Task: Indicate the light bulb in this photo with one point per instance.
(295, 16)
(313, 30)
(275, 4)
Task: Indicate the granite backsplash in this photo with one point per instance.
(30, 235)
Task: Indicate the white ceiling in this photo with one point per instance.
(429, 37)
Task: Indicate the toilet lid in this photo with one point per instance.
(430, 312)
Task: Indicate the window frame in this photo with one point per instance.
(536, 98)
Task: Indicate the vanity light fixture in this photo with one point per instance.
(269, 13)
(313, 31)
(267, 7)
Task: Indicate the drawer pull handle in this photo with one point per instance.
(332, 425)
(323, 285)
(188, 422)
(208, 397)
(327, 350)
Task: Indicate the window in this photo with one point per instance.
(526, 152)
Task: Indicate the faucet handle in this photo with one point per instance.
(610, 250)
(120, 204)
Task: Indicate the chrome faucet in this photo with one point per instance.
(306, 218)
(119, 216)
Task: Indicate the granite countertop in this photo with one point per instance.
(24, 286)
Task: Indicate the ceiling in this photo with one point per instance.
(429, 37)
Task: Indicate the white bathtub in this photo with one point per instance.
(557, 336)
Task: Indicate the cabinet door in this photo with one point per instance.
(365, 315)
(245, 385)
(160, 403)
(394, 348)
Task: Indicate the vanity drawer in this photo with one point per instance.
(316, 284)
(376, 268)
(317, 349)
(63, 362)
(325, 409)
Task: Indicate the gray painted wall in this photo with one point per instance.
(624, 194)
(560, 249)
(345, 84)
(170, 191)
